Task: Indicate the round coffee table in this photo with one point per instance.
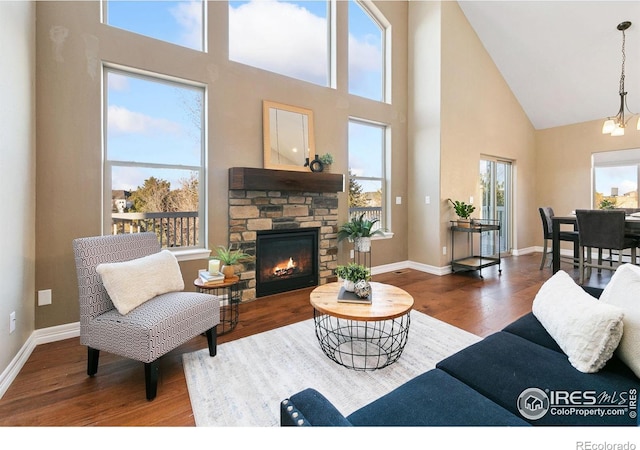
(362, 336)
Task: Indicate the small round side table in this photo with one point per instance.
(229, 293)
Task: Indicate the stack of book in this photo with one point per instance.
(210, 279)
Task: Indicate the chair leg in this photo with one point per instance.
(151, 379)
(92, 361)
(581, 265)
(544, 254)
(212, 340)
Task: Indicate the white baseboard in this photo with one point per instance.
(42, 336)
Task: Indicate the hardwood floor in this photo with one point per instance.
(53, 389)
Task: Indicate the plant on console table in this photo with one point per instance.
(230, 259)
(359, 230)
(353, 274)
(463, 211)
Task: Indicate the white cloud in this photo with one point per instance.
(280, 37)
(122, 120)
(118, 82)
(188, 15)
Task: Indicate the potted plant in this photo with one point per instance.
(326, 160)
(351, 274)
(463, 211)
(230, 258)
(359, 230)
(606, 203)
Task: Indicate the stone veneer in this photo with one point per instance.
(253, 211)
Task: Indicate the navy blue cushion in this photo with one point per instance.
(433, 399)
(310, 408)
(502, 366)
(530, 328)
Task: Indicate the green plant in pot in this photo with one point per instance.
(326, 160)
(230, 259)
(351, 274)
(606, 203)
(463, 211)
(359, 230)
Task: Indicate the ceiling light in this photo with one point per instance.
(615, 125)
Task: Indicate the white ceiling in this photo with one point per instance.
(562, 59)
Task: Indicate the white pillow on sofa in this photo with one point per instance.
(131, 283)
(623, 290)
(587, 330)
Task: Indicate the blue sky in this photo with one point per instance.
(145, 125)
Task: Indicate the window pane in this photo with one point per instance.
(154, 157)
(287, 37)
(366, 177)
(366, 144)
(153, 121)
(616, 186)
(179, 22)
(366, 59)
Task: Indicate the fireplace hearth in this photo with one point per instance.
(286, 260)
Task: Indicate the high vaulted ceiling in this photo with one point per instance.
(562, 59)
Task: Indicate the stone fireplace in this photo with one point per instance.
(267, 202)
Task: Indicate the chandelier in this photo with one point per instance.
(615, 125)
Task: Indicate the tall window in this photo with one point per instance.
(615, 179)
(367, 144)
(366, 51)
(154, 157)
(180, 22)
(287, 37)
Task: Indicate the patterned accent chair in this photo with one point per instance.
(149, 331)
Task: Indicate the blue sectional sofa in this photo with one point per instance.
(516, 377)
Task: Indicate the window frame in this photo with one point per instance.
(615, 158)
(182, 253)
(104, 17)
(370, 9)
(384, 179)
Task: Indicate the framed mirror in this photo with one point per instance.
(288, 137)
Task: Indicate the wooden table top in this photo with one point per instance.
(225, 283)
(387, 302)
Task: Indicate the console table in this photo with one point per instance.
(476, 260)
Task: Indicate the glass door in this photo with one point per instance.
(496, 184)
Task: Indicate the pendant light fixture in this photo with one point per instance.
(615, 125)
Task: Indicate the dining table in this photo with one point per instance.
(632, 226)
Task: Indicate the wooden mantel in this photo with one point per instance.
(255, 179)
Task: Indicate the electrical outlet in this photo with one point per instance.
(471, 200)
(398, 200)
(427, 200)
(352, 254)
(444, 250)
(44, 297)
(12, 322)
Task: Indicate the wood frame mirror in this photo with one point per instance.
(288, 137)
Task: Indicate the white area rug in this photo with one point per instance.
(245, 382)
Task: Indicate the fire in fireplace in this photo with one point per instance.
(286, 260)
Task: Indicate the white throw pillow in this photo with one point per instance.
(131, 283)
(623, 291)
(587, 330)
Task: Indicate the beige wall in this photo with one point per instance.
(69, 128)
(477, 115)
(563, 167)
(17, 160)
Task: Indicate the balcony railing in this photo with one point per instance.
(370, 213)
(174, 229)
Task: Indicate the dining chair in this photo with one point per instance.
(602, 230)
(546, 213)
